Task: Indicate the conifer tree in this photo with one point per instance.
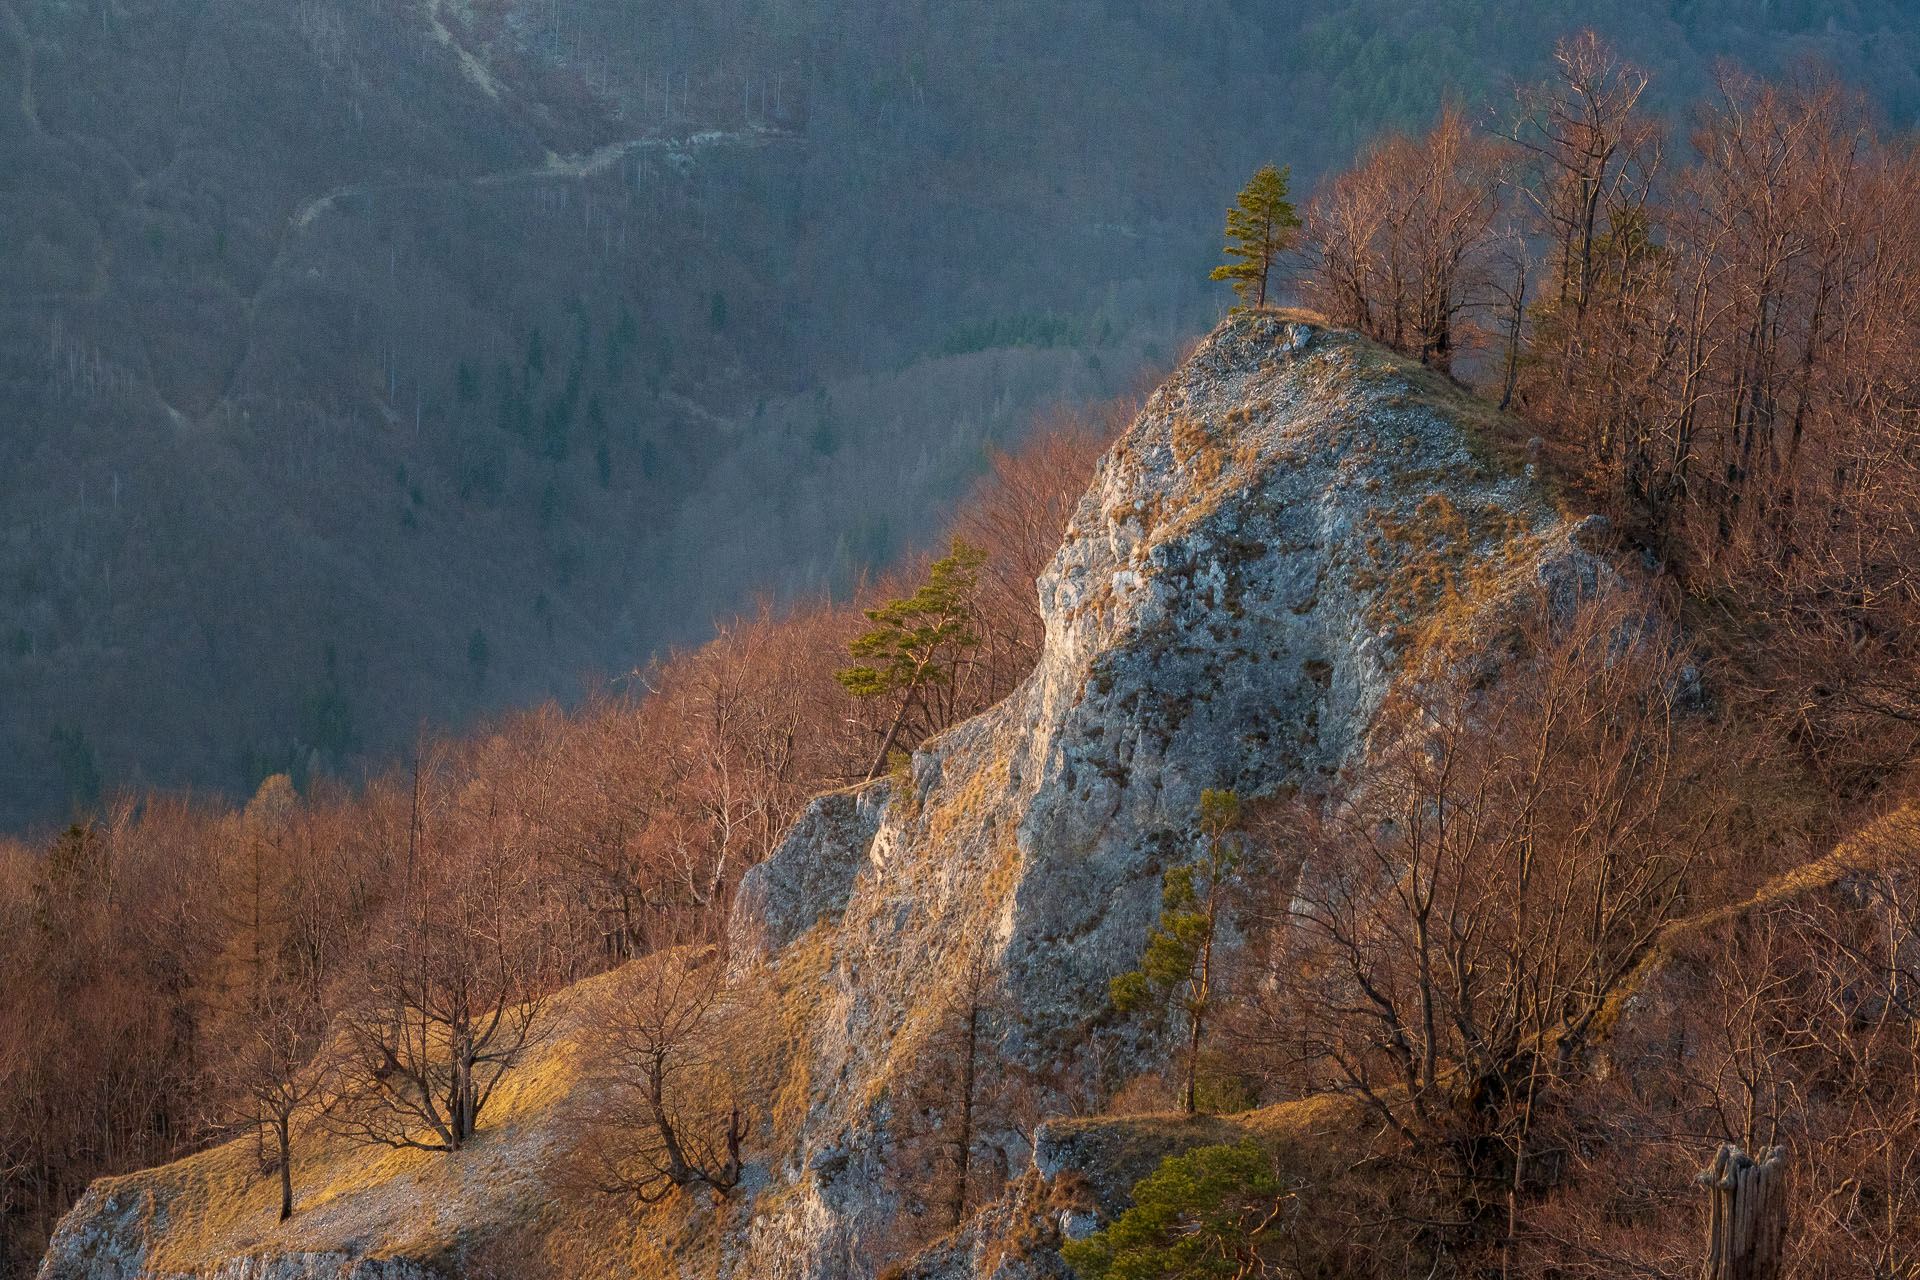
(1212, 1212)
(911, 654)
(1260, 227)
(1179, 958)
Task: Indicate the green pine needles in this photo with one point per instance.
(1205, 1215)
(1260, 227)
(1178, 965)
(916, 646)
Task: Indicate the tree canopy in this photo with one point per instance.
(1260, 227)
(915, 644)
(1201, 1215)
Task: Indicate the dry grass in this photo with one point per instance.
(1872, 848)
(510, 1204)
(374, 1200)
(1442, 564)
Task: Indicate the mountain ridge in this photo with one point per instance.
(363, 483)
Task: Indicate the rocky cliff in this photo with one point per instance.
(1294, 519)
(1295, 522)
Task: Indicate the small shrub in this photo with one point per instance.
(1209, 1213)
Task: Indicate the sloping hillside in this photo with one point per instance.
(366, 363)
(1223, 613)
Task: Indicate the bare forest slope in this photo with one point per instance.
(1297, 526)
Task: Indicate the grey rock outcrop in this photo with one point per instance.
(810, 875)
(105, 1237)
(1294, 519)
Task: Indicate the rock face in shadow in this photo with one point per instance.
(810, 876)
(1296, 522)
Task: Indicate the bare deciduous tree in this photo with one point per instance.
(1450, 937)
(1403, 241)
(1787, 1020)
(1595, 156)
(273, 1075)
(669, 1118)
(454, 986)
(1017, 517)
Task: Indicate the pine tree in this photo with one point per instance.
(1179, 958)
(1213, 1212)
(1260, 228)
(912, 652)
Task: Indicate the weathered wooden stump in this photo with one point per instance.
(1746, 1214)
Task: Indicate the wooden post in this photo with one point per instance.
(1746, 1214)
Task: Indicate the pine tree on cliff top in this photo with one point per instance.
(1260, 227)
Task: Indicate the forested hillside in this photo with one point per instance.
(372, 362)
(1395, 804)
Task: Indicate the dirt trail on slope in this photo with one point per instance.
(552, 166)
(474, 69)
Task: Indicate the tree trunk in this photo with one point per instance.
(679, 1171)
(286, 1167)
(893, 730)
(461, 1121)
(1515, 320)
(963, 1157)
(1746, 1214)
(1188, 1099)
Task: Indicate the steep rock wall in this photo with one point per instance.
(1294, 519)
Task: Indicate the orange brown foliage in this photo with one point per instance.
(136, 948)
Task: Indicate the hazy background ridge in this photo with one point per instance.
(365, 362)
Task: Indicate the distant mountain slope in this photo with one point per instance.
(371, 361)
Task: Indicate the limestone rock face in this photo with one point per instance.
(810, 875)
(105, 1237)
(1295, 522)
(1295, 515)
